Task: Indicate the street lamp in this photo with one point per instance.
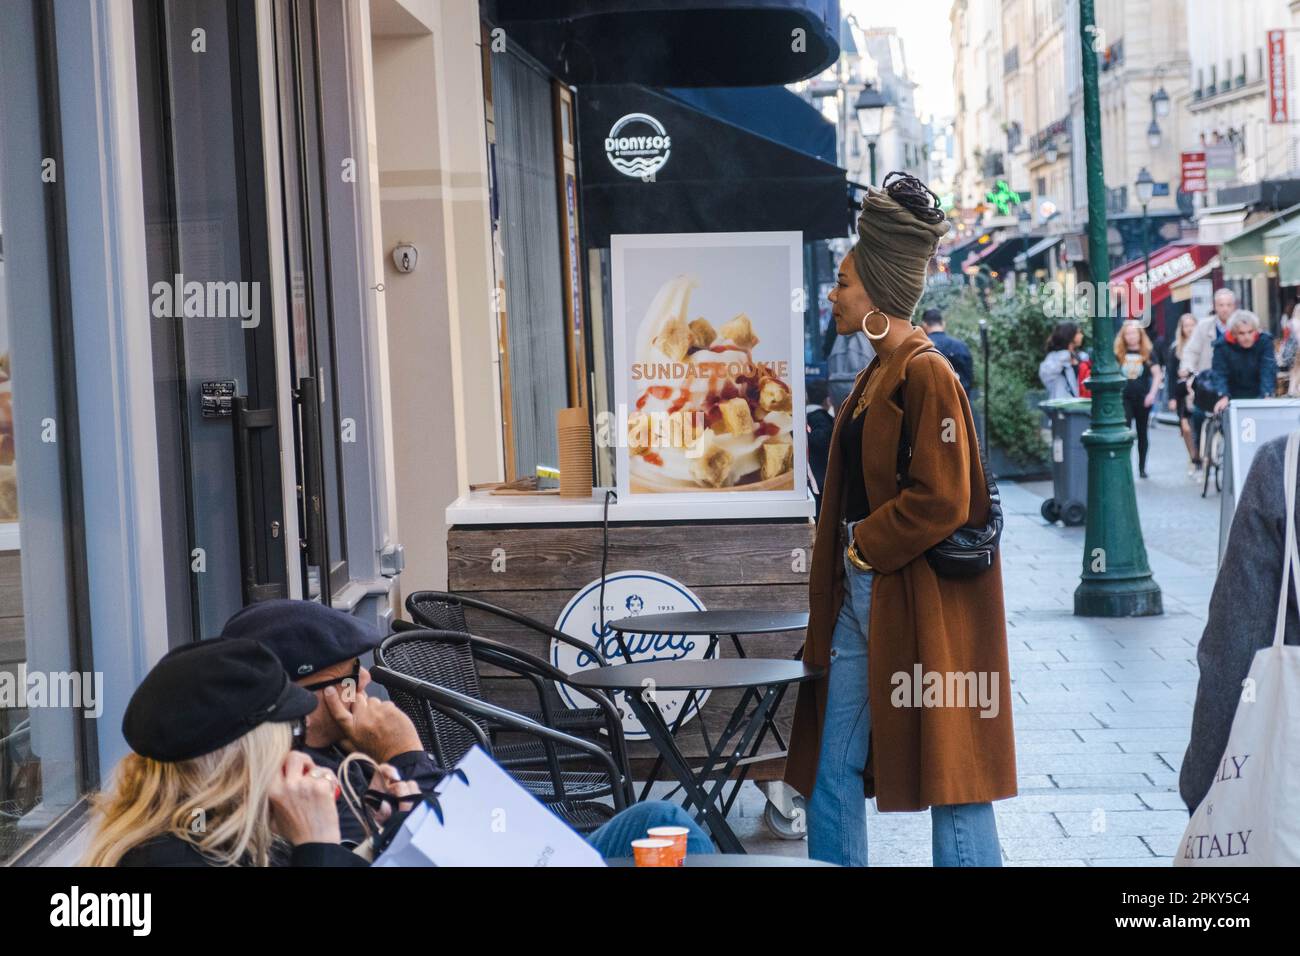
(1145, 187)
(1160, 100)
(870, 107)
(1051, 151)
(1116, 578)
(1153, 134)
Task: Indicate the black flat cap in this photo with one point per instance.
(202, 696)
(304, 635)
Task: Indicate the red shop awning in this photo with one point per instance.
(1168, 264)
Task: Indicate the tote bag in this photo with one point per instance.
(1251, 814)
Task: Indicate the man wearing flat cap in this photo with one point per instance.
(321, 649)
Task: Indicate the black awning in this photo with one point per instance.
(653, 163)
(675, 42)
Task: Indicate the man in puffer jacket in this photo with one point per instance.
(1244, 365)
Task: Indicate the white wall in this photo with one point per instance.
(431, 156)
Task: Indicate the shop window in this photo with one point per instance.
(49, 691)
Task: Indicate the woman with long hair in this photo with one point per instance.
(1133, 353)
(1179, 397)
(213, 779)
(1059, 370)
(898, 715)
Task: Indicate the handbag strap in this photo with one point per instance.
(1291, 563)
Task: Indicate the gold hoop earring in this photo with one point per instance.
(868, 333)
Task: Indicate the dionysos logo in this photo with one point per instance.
(638, 145)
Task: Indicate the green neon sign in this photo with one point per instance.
(1003, 197)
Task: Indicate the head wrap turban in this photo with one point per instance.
(898, 229)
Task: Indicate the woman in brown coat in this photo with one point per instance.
(916, 707)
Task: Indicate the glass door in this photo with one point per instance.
(320, 168)
(212, 321)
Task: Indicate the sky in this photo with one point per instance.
(923, 26)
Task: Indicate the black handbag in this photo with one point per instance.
(1204, 395)
(966, 552)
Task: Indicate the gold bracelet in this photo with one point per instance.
(856, 559)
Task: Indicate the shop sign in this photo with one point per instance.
(638, 145)
(1221, 162)
(1277, 90)
(1193, 172)
(708, 366)
(1165, 272)
(630, 594)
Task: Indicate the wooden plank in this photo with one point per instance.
(527, 558)
(11, 584)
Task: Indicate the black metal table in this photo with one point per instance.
(762, 680)
(714, 625)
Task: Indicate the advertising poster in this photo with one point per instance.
(708, 364)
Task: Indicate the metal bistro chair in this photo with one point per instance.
(441, 610)
(431, 675)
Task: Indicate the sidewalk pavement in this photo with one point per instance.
(1102, 706)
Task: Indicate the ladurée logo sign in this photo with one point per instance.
(638, 145)
(629, 594)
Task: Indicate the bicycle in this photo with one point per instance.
(1212, 444)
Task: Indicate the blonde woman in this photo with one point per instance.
(214, 779)
(1179, 400)
(1133, 352)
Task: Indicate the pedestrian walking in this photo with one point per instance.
(1180, 400)
(1059, 370)
(821, 423)
(954, 350)
(1143, 377)
(879, 613)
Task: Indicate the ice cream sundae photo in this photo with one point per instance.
(706, 412)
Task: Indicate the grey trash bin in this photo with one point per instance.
(1070, 418)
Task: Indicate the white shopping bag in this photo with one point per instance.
(1251, 814)
(488, 819)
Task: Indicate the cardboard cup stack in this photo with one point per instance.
(575, 453)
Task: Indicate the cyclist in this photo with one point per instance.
(1244, 365)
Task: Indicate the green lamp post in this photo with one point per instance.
(1116, 579)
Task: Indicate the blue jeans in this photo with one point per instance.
(614, 839)
(962, 834)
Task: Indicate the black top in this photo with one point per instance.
(856, 505)
(714, 622)
(732, 672)
(958, 355)
(1138, 375)
(171, 850)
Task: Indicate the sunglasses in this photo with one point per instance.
(355, 677)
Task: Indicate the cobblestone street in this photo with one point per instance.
(1102, 707)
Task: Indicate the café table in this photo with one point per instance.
(715, 625)
(762, 679)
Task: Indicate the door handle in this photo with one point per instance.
(247, 420)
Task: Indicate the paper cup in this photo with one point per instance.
(653, 853)
(675, 835)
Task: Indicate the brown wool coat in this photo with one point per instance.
(920, 756)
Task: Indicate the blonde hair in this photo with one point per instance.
(218, 802)
(1181, 338)
(1144, 341)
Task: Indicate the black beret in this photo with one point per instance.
(304, 635)
(200, 697)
